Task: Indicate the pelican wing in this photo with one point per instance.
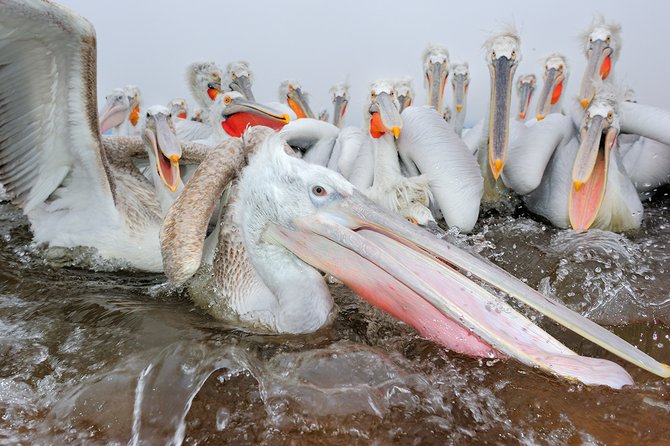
(443, 158)
(188, 130)
(316, 138)
(645, 120)
(647, 162)
(530, 151)
(349, 143)
(49, 121)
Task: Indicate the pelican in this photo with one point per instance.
(439, 164)
(404, 92)
(178, 108)
(240, 78)
(602, 42)
(196, 115)
(76, 189)
(340, 96)
(555, 83)
(460, 82)
(525, 86)
(290, 92)
(436, 70)
(204, 81)
(446, 114)
(489, 139)
(286, 220)
(323, 115)
(121, 112)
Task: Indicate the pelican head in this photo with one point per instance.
(404, 92)
(297, 216)
(240, 78)
(178, 108)
(197, 115)
(233, 113)
(436, 70)
(503, 57)
(383, 111)
(555, 80)
(340, 94)
(291, 92)
(525, 86)
(460, 81)
(602, 43)
(204, 80)
(323, 115)
(115, 110)
(598, 134)
(162, 145)
(135, 100)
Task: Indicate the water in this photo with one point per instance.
(113, 358)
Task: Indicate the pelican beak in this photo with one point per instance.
(112, 114)
(242, 113)
(525, 95)
(167, 151)
(385, 116)
(598, 66)
(460, 86)
(551, 92)
(242, 84)
(340, 108)
(437, 288)
(436, 75)
(298, 103)
(589, 172)
(404, 101)
(502, 72)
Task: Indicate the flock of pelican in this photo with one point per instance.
(258, 200)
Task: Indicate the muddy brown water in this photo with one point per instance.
(95, 357)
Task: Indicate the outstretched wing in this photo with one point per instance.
(48, 120)
(441, 156)
(188, 130)
(530, 151)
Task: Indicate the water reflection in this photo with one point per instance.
(112, 357)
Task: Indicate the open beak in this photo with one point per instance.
(437, 288)
(298, 103)
(243, 113)
(502, 72)
(460, 89)
(339, 109)
(437, 79)
(166, 150)
(598, 67)
(525, 95)
(385, 116)
(112, 114)
(589, 172)
(242, 84)
(551, 92)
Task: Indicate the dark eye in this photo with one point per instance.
(210, 86)
(148, 115)
(319, 191)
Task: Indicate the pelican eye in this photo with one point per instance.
(493, 55)
(608, 40)
(610, 117)
(513, 54)
(148, 115)
(319, 191)
(227, 100)
(210, 85)
(412, 220)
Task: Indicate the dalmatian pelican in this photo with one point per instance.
(404, 92)
(525, 86)
(291, 93)
(240, 78)
(340, 97)
(121, 111)
(602, 43)
(436, 70)
(555, 83)
(178, 108)
(460, 81)
(287, 220)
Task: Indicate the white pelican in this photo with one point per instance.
(197, 115)
(340, 96)
(555, 83)
(460, 81)
(404, 92)
(75, 188)
(121, 112)
(489, 139)
(204, 81)
(602, 42)
(239, 78)
(287, 220)
(178, 108)
(436, 69)
(525, 86)
(290, 92)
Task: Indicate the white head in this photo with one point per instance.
(436, 70)
(178, 108)
(135, 100)
(555, 84)
(161, 143)
(602, 44)
(291, 93)
(115, 111)
(525, 86)
(240, 78)
(382, 111)
(204, 81)
(340, 94)
(460, 81)
(404, 92)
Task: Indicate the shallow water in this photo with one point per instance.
(112, 358)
